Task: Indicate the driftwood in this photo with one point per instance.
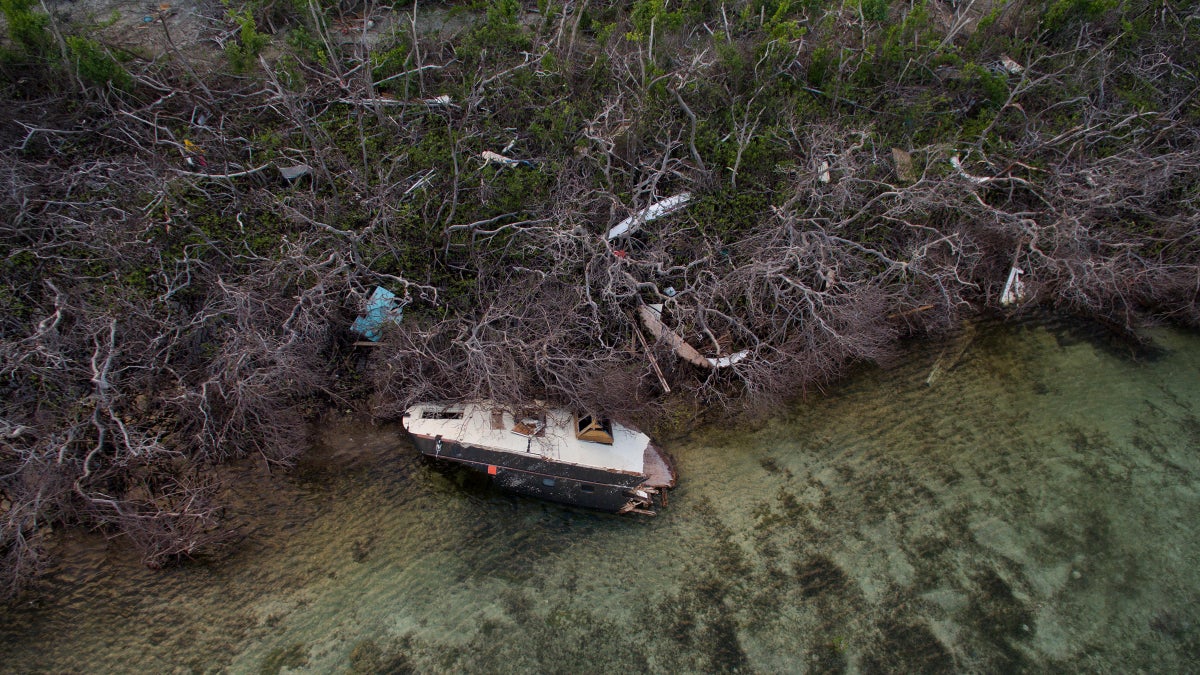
(652, 318)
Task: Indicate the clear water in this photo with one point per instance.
(1032, 506)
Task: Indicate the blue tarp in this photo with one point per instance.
(383, 306)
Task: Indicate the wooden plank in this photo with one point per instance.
(653, 320)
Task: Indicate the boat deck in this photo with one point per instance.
(496, 429)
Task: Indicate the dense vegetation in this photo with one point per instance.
(860, 171)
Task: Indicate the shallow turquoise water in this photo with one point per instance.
(1028, 504)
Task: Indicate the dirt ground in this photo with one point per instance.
(199, 29)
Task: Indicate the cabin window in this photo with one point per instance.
(584, 487)
(548, 482)
(594, 429)
(441, 414)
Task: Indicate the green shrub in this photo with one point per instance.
(874, 10)
(647, 13)
(994, 86)
(243, 53)
(500, 32)
(386, 64)
(306, 46)
(821, 66)
(95, 65)
(1063, 13)
(26, 28)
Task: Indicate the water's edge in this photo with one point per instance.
(1026, 503)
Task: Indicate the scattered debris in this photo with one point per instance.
(490, 157)
(653, 361)
(291, 173)
(957, 164)
(382, 307)
(904, 165)
(726, 361)
(823, 173)
(652, 317)
(1014, 289)
(1010, 66)
(387, 99)
(356, 24)
(193, 154)
(423, 181)
(223, 176)
(656, 210)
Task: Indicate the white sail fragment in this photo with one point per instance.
(1014, 290)
(291, 173)
(726, 361)
(656, 210)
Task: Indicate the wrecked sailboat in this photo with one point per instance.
(551, 454)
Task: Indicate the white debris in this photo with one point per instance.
(726, 361)
(443, 101)
(1011, 66)
(422, 182)
(490, 157)
(657, 210)
(1014, 290)
(293, 172)
(957, 164)
(823, 172)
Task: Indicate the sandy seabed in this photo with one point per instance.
(1029, 507)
